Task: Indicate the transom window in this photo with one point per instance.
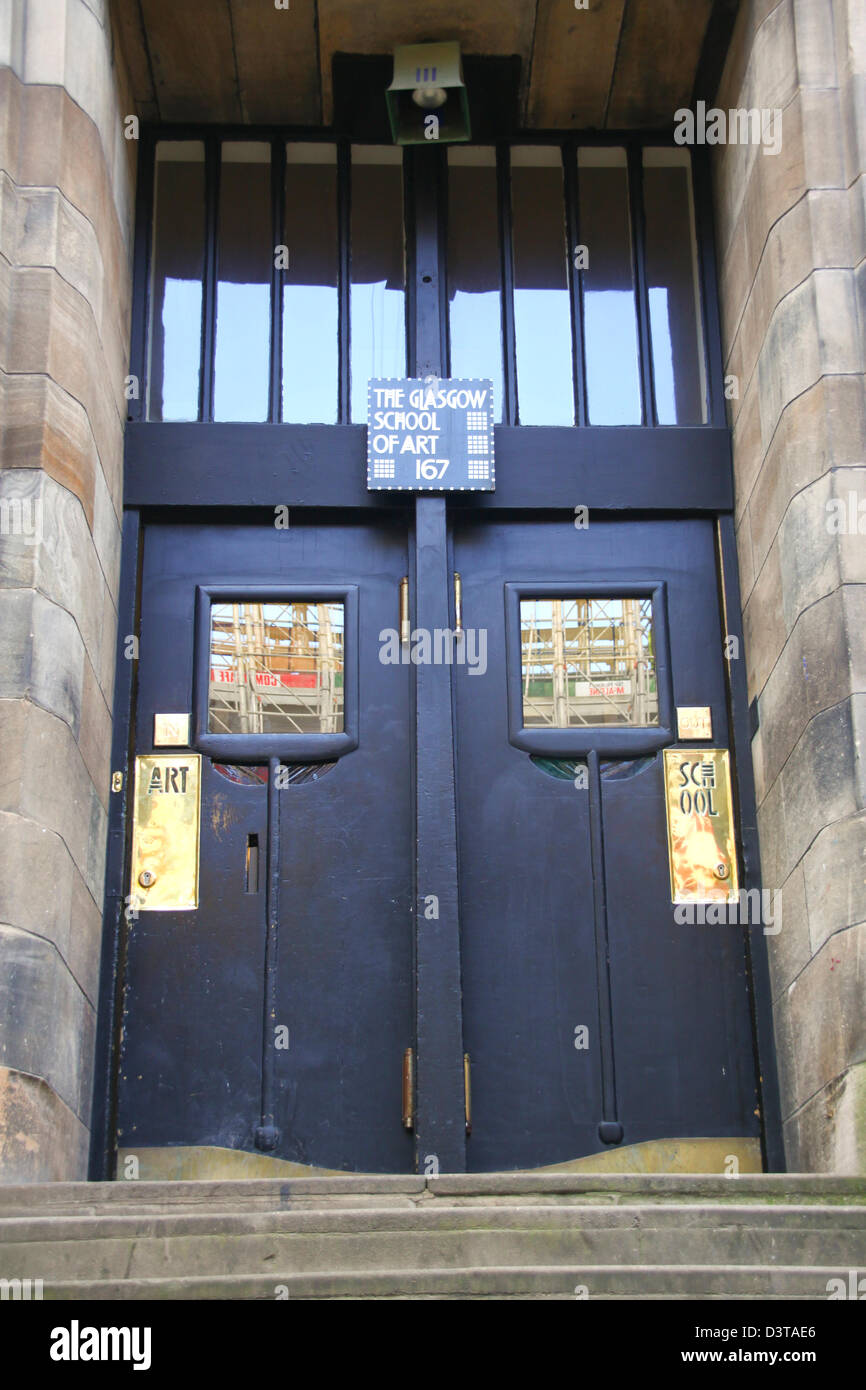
(277, 282)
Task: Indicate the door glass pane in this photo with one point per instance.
(587, 661)
(609, 310)
(674, 298)
(377, 303)
(474, 293)
(245, 254)
(310, 314)
(176, 281)
(276, 668)
(542, 304)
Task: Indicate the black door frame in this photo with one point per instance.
(634, 471)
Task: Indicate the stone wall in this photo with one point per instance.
(66, 205)
(793, 278)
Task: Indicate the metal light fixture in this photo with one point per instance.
(427, 98)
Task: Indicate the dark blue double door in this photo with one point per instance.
(589, 1018)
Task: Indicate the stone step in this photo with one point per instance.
(457, 1236)
(119, 1260)
(433, 1215)
(564, 1282)
(319, 1242)
(405, 1190)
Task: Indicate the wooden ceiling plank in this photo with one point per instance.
(193, 59)
(128, 27)
(247, 60)
(658, 57)
(277, 66)
(573, 64)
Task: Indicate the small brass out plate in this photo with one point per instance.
(172, 731)
(701, 847)
(694, 721)
(165, 832)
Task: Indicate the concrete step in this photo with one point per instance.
(460, 1236)
(405, 1190)
(564, 1282)
(308, 1242)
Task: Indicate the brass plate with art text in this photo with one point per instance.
(165, 833)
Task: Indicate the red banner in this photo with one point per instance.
(302, 680)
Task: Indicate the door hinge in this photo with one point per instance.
(408, 1089)
(467, 1091)
(405, 625)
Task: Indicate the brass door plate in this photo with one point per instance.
(700, 823)
(171, 731)
(694, 721)
(165, 832)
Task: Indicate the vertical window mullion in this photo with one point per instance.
(208, 335)
(638, 239)
(506, 253)
(278, 223)
(344, 276)
(575, 279)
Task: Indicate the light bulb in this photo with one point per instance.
(429, 98)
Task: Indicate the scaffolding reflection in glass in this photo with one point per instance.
(276, 668)
(588, 661)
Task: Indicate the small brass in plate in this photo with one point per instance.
(171, 731)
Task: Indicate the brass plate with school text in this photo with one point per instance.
(701, 847)
(165, 832)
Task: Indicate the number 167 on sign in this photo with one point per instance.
(431, 468)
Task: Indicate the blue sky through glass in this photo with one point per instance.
(613, 387)
(542, 325)
(663, 356)
(378, 339)
(242, 358)
(476, 340)
(181, 326)
(310, 338)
